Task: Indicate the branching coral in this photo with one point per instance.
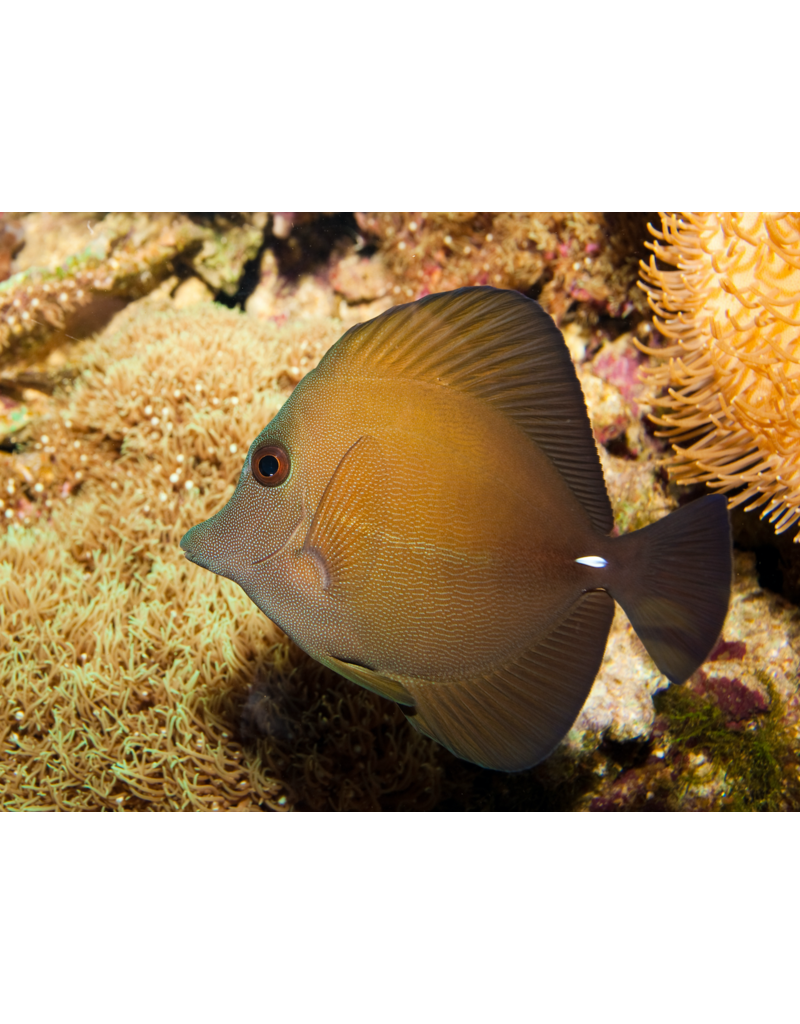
(126, 670)
(731, 372)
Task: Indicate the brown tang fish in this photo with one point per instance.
(427, 516)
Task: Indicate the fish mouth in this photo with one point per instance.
(189, 555)
(198, 559)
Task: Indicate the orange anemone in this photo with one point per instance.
(729, 377)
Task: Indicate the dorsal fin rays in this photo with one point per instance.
(500, 347)
(512, 718)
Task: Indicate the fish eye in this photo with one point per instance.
(270, 465)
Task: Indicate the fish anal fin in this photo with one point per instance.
(370, 680)
(504, 349)
(344, 533)
(513, 717)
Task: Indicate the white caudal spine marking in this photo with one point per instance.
(594, 561)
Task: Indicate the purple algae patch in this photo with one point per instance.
(622, 370)
(728, 650)
(736, 701)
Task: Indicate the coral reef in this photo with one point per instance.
(12, 238)
(133, 680)
(278, 298)
(126, 256)
(73, 271)
(568, 261)
(728, 381)
(232, 241)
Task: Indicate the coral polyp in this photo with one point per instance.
(730, 375)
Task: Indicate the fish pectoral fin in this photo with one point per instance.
(371, 680)
(344, 533)
(513, 717)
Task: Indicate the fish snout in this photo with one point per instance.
(238, 540)
(206, 545)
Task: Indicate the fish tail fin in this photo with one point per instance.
(674, 584)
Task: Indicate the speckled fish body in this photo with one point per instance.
(441, 484)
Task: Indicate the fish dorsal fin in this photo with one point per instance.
(344, 533)
(502, 348)
(514, 717)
